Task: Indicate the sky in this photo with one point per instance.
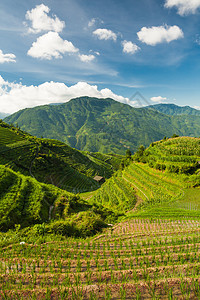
(136, 52)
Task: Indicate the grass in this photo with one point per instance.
(190, 199)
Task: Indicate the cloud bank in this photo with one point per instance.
(185, 7)
(161, 34)
(15, 96)
(158, 99)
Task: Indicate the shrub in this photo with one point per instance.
(88, 223)
(62, 227)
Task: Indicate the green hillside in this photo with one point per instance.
(25, 201)
(51, 161)
(179, 155)
(160, 177)
(103, 125)
(173, 110)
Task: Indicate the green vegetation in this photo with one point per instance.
(103, 125)
(47, 245)
(179, 155)
(158, 179)
(51, 161)
(116, 193)
(137, 259)
(25, 201)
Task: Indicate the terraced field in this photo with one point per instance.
(136, 259)
(116, 193)
(7, 136)
(51, 161)
(177, 155)
(153, 186)
(139, 185)
(25, 201)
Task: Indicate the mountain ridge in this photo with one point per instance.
(103, 125)
(173, 109)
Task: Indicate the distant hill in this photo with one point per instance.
(174, 110)
(103, 125)
(3, 115)
(51, 161)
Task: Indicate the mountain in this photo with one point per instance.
(103, 125)
(174, 110)
(51, 161)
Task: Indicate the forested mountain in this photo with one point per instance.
(174, 110)
(103, 125)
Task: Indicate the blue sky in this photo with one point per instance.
(52, 51)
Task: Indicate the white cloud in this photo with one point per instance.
(94, 21)
(40, 21)
(9, 57)
(86, 58)
(14, 97)
(129, 47)
(105, 34)
(158, 99)
(156, 35)
(91, 22)
(185, 7)
(51, 45)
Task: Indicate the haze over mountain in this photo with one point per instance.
(3, 115)
(103, 125)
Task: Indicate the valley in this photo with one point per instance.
(63, 235)
(100, 150)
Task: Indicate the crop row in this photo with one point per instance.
(136, 259)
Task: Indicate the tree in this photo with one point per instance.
(175, 135)
(139, 154)
(128, 153)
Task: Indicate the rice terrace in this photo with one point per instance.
(99, 150)
(136, 236)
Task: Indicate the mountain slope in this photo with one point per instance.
(51, 161)
(179, 155)
(102, 125)
(160, 177)
(25, 201)
(174, 110)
